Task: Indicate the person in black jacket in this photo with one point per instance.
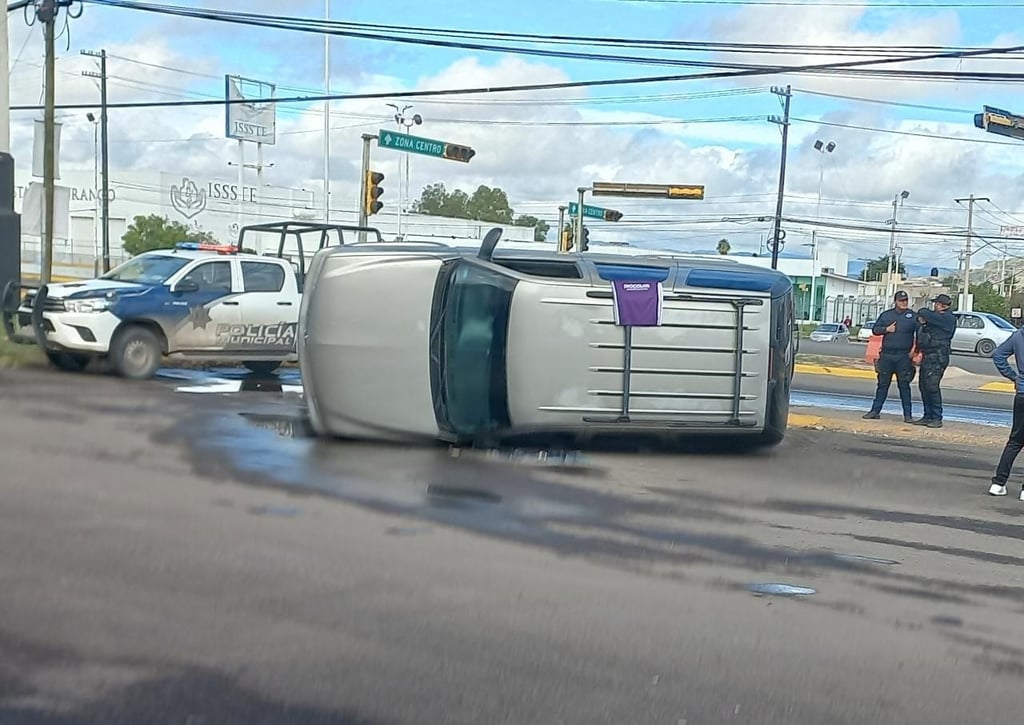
(934, 337)
(899, 329)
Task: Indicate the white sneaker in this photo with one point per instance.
(997, 490)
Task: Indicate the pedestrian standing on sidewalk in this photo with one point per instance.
(898, 327)
(934, 337)
(1012, 346)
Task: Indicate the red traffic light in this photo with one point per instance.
(455, 152)
(611, 215)
(374, 177)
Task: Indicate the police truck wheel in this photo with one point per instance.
(262, 367)
(68, 361)
(986, 348)
(136, 353)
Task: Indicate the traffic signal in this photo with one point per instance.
(611, 215)
(454, 152)
(371, 205)
(566, 240)
(586, 240)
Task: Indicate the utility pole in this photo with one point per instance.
(327, 116)
(561, 226)
(5, 88)
(967, 305)
(775, 242)
(105, 169)
(47, 14)
(892, 265)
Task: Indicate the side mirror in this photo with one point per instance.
(186, 285)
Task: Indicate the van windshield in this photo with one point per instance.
(472, 355)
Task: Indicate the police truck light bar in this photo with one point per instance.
(207, 247)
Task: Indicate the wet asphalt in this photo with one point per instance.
(188, 557)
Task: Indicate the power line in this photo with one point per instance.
(943, 109)
(908, 133)
(555, 86)
(833, 3)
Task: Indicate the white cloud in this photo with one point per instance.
(540, 166)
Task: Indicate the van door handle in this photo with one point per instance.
(233, 303)
(285, 304)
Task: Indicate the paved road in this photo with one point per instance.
(866, 389)
(172, 558)
(971, 363)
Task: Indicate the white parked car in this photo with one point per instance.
(831, 332)
(980, 332)
(864, 333)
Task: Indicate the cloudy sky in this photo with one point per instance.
(890, 134)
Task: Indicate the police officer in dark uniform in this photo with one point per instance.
(934, 336)
(898, 326)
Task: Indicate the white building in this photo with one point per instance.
(217, 205)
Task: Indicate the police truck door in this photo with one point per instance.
(270, 305)
(206, 290)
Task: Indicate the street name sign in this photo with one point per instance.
(425, 146)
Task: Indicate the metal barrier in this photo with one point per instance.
(859, 309)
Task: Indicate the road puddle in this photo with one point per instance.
(223, 381)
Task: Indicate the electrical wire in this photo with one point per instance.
(921, 134)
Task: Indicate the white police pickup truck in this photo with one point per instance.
(196, 301)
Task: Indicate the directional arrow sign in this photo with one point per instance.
(594, 212)
(425, 146)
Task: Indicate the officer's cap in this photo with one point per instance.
(900, 296)
(942, 300)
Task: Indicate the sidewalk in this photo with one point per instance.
(893, 427)
(954, 379)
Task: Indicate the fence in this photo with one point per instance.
(858, 309)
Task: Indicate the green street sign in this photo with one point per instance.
(595, 212)
(425, 146)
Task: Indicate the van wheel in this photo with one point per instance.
(262, 367)
(136, 353)
(68, 361)
(986, 348)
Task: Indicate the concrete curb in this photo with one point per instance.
(895, 428)
(955, 378)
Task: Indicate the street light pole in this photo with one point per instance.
(95, 190)
(404, 124)
(821, 147)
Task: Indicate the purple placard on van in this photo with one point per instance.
(637, 303)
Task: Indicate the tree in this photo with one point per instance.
(436, 200)
(485, 205)
(540, 228)
(723, 246)
(147, 233)
(987, 298)
(877, 268)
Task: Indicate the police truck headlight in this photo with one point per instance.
(96, 305)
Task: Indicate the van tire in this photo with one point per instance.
(68, 361)
(136, 353)
(986, 348)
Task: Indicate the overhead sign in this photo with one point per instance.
(657, 191)
(997, 121)
(595, 212)
(249, 120)
(425, 146)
